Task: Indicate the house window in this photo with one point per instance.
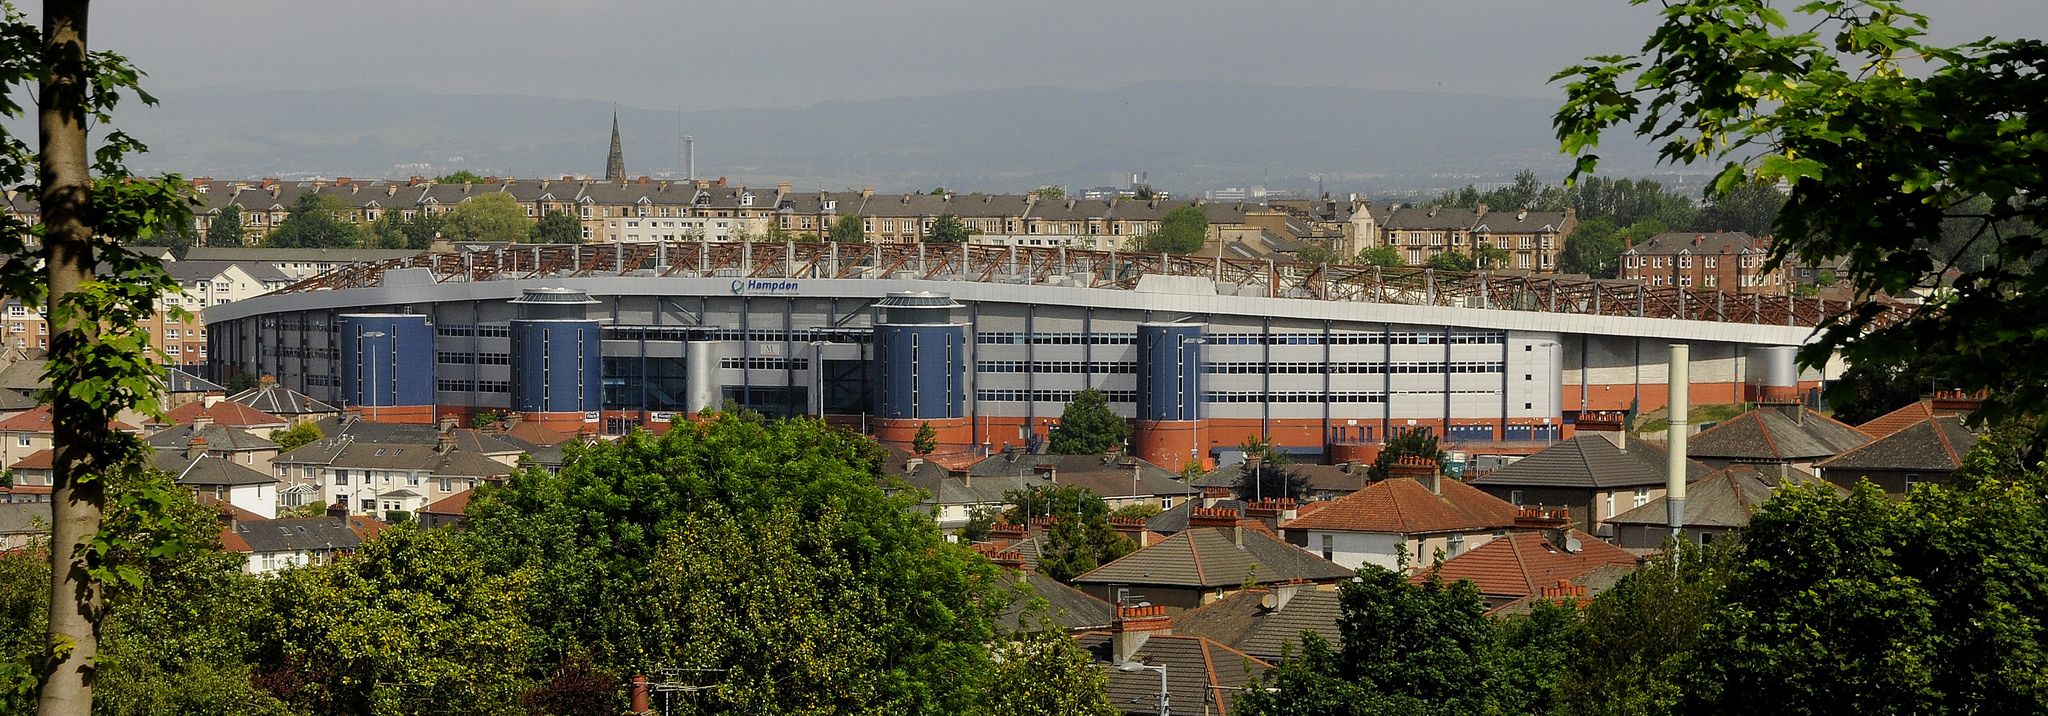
(412, 479)
(24, 441)
(1610, 504)
(1642, 497)
(1123, 595)
(1165, 503)
(1454, 546)
(447, 485)
(1329, 546)
(340, 478)
(1515, 497)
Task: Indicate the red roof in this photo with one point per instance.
(232, 542)
(456, 504)
(229, 509)
(1523, 563)
(1404, 506)
(226, 412)
(1905, 417)
(44, 459)
(365, 527)
(38, 421)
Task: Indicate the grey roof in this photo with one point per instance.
(1589, 461)
(1521, 222)
(12, 400)
(1724, 499)
(204, 270)
(1195, 668)
(269, 255)
(346, 451)
(1207, 557)
(218, 437)
(364, 431)
(1242, 622)
(1697, 243)
(1936, 444)
(298, 534)
(1790, 433)
(944, 490)
(279, 400)
(1446, 218)
(25, 375)
(1107, 479)
(178, 381)
(208, 470)
(1175, 519)
(1066, 607)
(24, 517)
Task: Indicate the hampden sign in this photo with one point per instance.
(756, 285)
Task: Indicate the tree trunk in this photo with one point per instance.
(78, 487)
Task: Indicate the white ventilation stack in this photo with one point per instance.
(689, 158)
(1679, 375)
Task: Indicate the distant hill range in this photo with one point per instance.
(1189, 136)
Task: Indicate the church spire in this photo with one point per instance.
(615, 164)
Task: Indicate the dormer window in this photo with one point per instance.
(746, 200)
(831, 205)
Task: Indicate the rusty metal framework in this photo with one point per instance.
(1095, 269)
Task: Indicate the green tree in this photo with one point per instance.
(348, 638)
(1317, 254)
(1050, 192)
(926, 441)
(1382, 256)
(316, 222)
(980, 521)
(1079, 539)
(1593, 248)
(847, 229)
(1144, 192)
(1643, 633)
(1182, 231)
(463, 176)
(296, 436)
(224, 230)
(1268, 477)
(1088, 427)
(1046, 673)
(632, 547)
(388, 231)
(1886, 141)
(1135, 511)
(491, 216)
(556, 227)
(1406, 649)
(948, 229)
(1449, 261)
(1748, 207)
(1490, 258)
(1420, 442)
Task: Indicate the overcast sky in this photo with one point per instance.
(664, 54)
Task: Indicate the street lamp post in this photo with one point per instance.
(1134, 666)
(1192, 401)
(373, 370)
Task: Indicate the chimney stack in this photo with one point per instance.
(1135, 625)
(1420, 469)
(1134, 528)
(338, 510)
(200, 422)
(195, 447)
(1607, 424)
(1282, 594)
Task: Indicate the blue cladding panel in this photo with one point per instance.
(396, 368)
(557, 366)
(1169, 372)
(921, 371)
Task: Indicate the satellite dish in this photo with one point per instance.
(1269, 601)
(1571, 544)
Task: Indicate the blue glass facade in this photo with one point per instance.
(557, 366)
(386, 359)
(1169, 371)
(921, 376)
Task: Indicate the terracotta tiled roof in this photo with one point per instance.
(1520, 563)
(225, 412)
(43, 459)
(38, 421)
(231, 542)
(1404, 506)
(456, 504)
(1942, 403)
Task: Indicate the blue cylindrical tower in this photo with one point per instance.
(557, 355)
(1169, 371)
(387, 361)
(920, 352)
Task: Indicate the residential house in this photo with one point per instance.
(1532, 240)
(227, 443)
(1598, 473)
(1119, 480)
(195, 467)
(1407, 518)
(1148, 666)
(1718, 261)
(382, 478)
(28, 432)
(1522, 564)
(448, 511)
(218, 410)
(1716, 506)
(283, 402)
(1779, 434)
(1037, 599)
(1266, 623)
(272, 545)
(1927, 451)
(22, 523)
(1215, 557)
(1942, 402)
(1421, 233)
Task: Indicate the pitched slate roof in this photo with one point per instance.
(1933, 445)
(224, 412)
(298, 534)
(1724, 499)
(1589, 462)
(1697, 243)
(364, 431)
(1521, 563)
(1066, 607)
(24, 517)
(1175, 519)
(1106, 479)
(279, 400)
(1412, 218)
(178, 381)
(1206, 557)
(1775, 434)
(1403, 506)
(218, 437)
(208, 470)
(1241, 620)
(1195, 666)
